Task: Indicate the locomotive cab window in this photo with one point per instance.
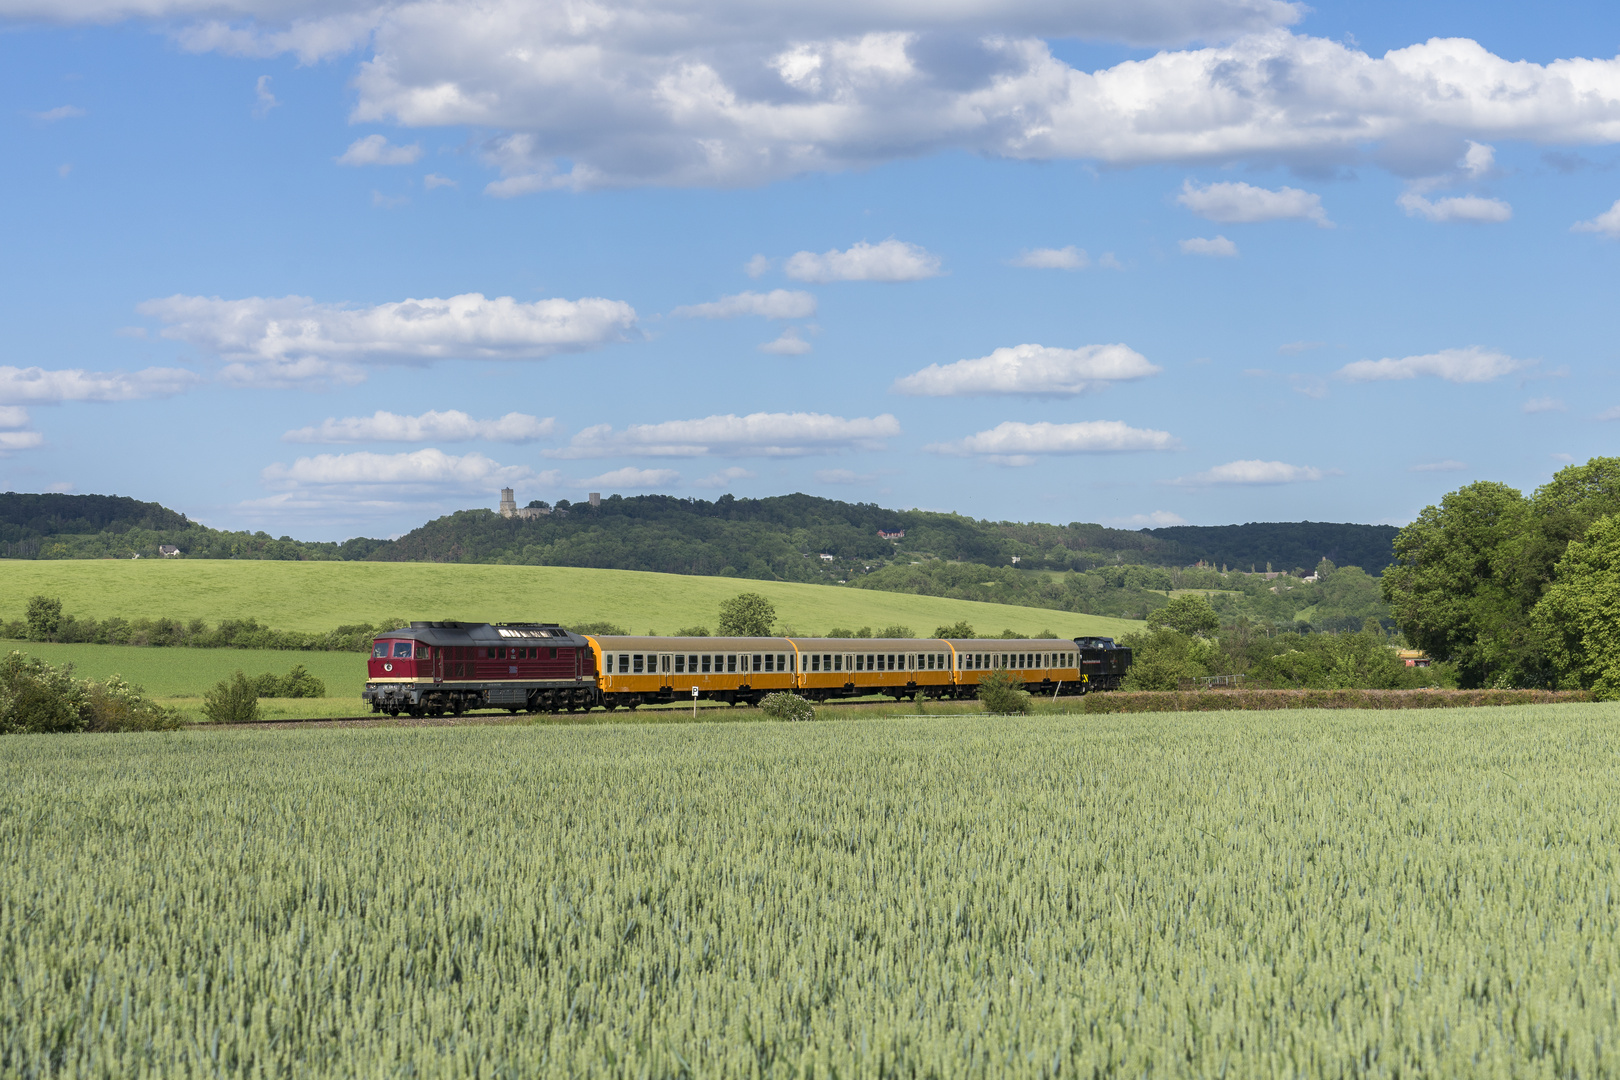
(380, 650)
(402, 650)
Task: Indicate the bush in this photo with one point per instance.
(605, 629)
(297, 683)
(692, 631)
(115, 705)
(232, 701)
(36, 697)
(894, 631)
(959, 629)
(1001, 693)
(785, 706)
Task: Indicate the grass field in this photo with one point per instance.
(317, 596)
(168, 673)
(1298, 894)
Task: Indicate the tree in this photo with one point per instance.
(959, 629)
(1581, 612)
(44, 618)
(1187, 614)
(1163, 657)
(36, 697)
(1454, 591)
(894, 630)
(747, 615)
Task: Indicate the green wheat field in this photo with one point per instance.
(1241, 895)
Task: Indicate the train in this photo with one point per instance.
(434, 668)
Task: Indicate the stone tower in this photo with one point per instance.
(508, 503)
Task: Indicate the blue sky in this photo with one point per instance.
(333, 269)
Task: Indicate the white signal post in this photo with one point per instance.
(694, 702)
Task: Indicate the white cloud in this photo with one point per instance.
(1017, 443)
(776, 304)
(1251, 472)
(292, 339)
(1218, 246)
(1030, 369)
(1544, 404)
(74, 384)
(20, 440)
(1448, 465)
(1470, 365)
(1236, 202)
(1108, 262)
(13, 417)
(388, 202)
(264, 100)
(376, 150)
(631, 478)
(1469, 208)
(757, 266)
(1158, 519)
(434, 180)
(1611, 413)
(891, 260)
(787, 343)
(733, 93)
(757, 434)
(416, 470)
(61, 112)
(725, 477)
(1479, 161)
(843, 476)
(449, 426)
(1607, 223)
(1064, 258)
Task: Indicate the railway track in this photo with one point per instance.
(504, 717)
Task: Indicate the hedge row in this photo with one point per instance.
(1221, 700)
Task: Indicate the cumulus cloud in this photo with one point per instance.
(1470, 365)
(1251, 472)
(451, 425)
(776, 304)
(892, 260)
(61, 112)
(787, 343)
(1466, 208)
(1448, 465)
(757, 434)
(13, 417)
(632, 478)
(38, 385)
(1064, 258)
(843, 476)
(434, 180)
(1217, 246)
(416, 470)
(1158, 519)
(20, 440)
(292, 339)
(1606, 223)
(1543, 404)
(725, 477)
(376, 150)
(1030, 369)
(1231, 203)
(1017, 443)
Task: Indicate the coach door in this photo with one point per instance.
(666, 664)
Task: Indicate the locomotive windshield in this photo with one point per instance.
(379, 650)
(402, 650)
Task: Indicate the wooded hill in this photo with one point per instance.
(783, 538)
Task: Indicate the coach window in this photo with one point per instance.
(706, 663)
(731, 662)
(680, 663)
(838, 662)
(770, 661)
(635, 662)
(691, 665)
(757, 659)
(930, 666)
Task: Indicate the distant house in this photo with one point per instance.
(901, 535)
(827, 558)
(1414, 657)
(169, 551)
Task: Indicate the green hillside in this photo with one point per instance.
(317, 596)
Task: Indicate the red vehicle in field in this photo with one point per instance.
(436, 667)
